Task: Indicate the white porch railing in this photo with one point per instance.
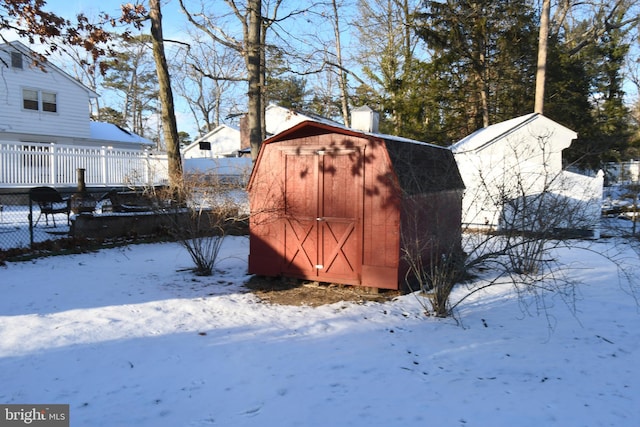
(25, 164)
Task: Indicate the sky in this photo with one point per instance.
(172, 18)
(173, 24)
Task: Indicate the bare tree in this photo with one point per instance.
(542, 56)
(206, 78)
(602, 16)
(388, 49)
(169, 125)
(257, 21)
(250, 48)
(342, 75)
(255, 74)
(213, 209)
(137, 15)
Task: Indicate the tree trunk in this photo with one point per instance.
(342, 76)
(542, 56)
(254, 75)
(169, 125)
(484, 89)
(263, 79)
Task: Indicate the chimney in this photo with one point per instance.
(244, 132)
(81, 201)
(364, 119)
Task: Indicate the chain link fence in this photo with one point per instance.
(14, 221)
(23, 225)
(30, 225)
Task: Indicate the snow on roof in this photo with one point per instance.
(110, 132)
(278, 119)
(492, 133)
(214, 131)
(340, 126)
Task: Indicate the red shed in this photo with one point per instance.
(339, 205)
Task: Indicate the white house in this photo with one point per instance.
(46, 132)
(226, 141)
(513, 176)
(278, 119)
(223, 141)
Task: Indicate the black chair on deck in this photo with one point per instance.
(50, 202)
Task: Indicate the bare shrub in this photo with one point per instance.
(207, 210)
(525, 210)
(434, 278)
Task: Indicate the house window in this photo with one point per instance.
(16, 59)
(30, 99)
(49, 102)
(205, 145)
(39, 101)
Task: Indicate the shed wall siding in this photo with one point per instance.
(381, 243)
(266, 200)
(525, 160)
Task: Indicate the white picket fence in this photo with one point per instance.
(33, 164)
(623, 172)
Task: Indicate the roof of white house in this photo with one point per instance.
(110, 132)
(487, 136)
(212, 132)
(279, 119)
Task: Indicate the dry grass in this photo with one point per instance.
(288, 291)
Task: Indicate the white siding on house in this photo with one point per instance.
(72, 101)
(44, 144)
(224, 141)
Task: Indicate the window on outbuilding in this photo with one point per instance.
(205, 145)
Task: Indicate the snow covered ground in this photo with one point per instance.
(129, 337)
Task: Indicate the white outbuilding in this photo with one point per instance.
(514, 178)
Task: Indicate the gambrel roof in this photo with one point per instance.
(420, 167)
